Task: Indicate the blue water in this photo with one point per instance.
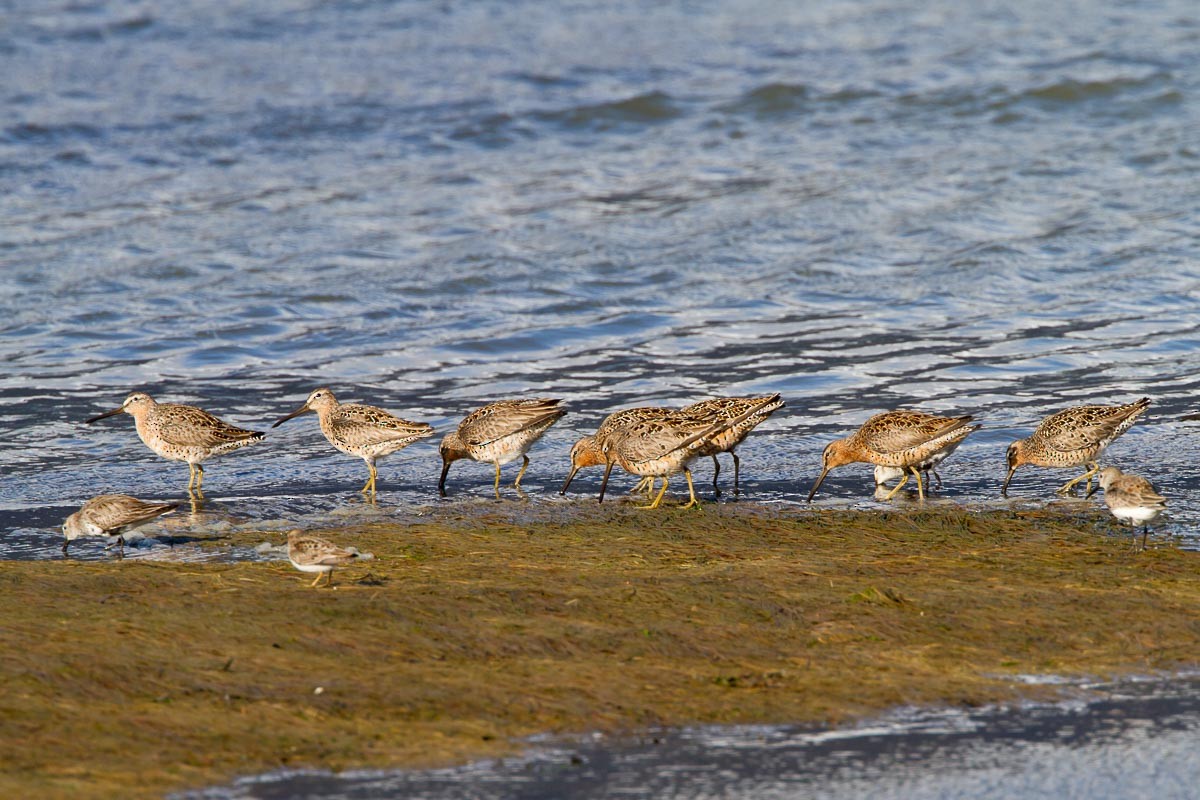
(967, 208)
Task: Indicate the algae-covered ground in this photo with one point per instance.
(467, 632)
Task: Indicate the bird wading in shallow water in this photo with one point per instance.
(661, 447)
(1071, 438)
(902, 439)
(1131, 499)
(588, 451)
(499, 433)
(112, 515)
(357, 430)
(727, 440)
(182, 433)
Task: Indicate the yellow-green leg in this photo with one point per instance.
(693, 502)
(191, 475)
(1093, 468)
(524, 466)
(646, 485)
(892, 493)
(369, 486)
(658, 499)
(200, 478)
(497, 463)
(318, 580)
(920, 489)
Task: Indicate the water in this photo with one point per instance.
(1116, 741)
(985, 208)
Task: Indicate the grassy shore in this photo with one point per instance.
(136, 678)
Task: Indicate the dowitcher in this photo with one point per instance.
(499, 433)
(314, 554)
(112, 515)
(660, 447)
(588, 451)
(1071, 438)
(364, 431)
(884, 474)
(903, 439)
(1131, 498)
(728, 408)
(182, 433)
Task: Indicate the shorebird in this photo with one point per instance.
(182, 433)
(1131, 498)
(660, 447)
(1071, 438)
(728, 408)
(588, 451)
(364, 431)
(904, 439)
(884, 474)
(498, 433)
(112, 515)
(314, 554)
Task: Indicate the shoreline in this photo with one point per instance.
(464, 636)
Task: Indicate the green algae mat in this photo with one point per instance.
(466, 634)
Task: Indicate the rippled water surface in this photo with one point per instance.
(985, 208)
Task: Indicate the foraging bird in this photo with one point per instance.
(498, 433)
(929, 465)
(1131, 498)
(314, 554)
(112, 515)
(904, 439)
(659, 447)
(588, 451)
(357, 430)
(730, 438)
(182, 433)
(1073, 437)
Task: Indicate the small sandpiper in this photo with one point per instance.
(357, 430)
(314, 554)
(1131, 499)
(182, 433)
(725, 442)
(499, 433)
(903, 439)
(112, 515)
(1071, 438)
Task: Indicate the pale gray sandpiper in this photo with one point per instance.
(1073, 437)
(182, 433)
(313, 554)
(112, 515)
(357, 430)
(1131, 498)
(499, 433)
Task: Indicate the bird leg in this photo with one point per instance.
(200, 478)
(369, 486)
(524, 466)
(892, 493)
(1066, 488)
(693, 502)
(737, 467)
(191, 475)
(716, 472)
(646, 485)
(920, 489)
(661, 492)
(318, 580)
(497, 463)
(939, 479)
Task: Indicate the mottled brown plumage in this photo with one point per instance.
(1131, 498)
(903, 438)
(727, 408)
(357, 430)
(1071, 438)
(112, 515)
(588, 451)
(182, 433)
(499, 433)
(658, 447)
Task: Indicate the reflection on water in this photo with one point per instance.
(1113, 741)
(861, 206)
